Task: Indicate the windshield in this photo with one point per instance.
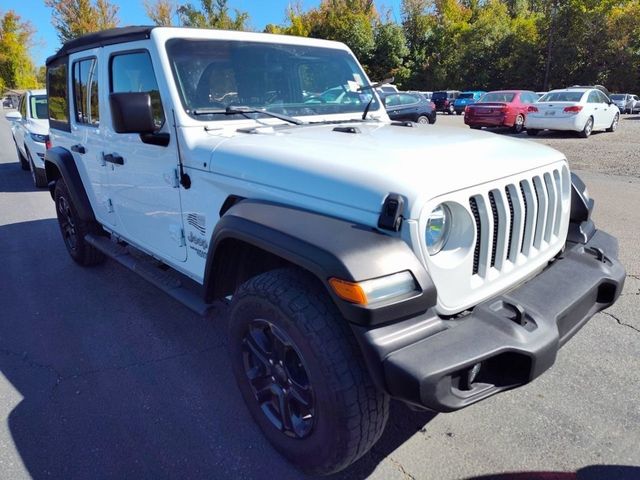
(466, 95)
(562, 97)
(38, 106)
(293, 80)
(497, 97)
(617, 97)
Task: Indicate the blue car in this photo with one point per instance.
(466, 98)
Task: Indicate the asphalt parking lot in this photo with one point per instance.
(103, 376)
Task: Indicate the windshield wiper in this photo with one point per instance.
(240, 110)
(373, 86)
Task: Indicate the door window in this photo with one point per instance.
(57, 91)
(133, 72)
(85, 92)
(603, 98)
(593, 97)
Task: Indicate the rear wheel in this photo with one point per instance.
(614, 124)
(423, 119)
(301, 373)
(74, 229)
(451, 110)
(588, 127)
(518, 124)
(533, 132)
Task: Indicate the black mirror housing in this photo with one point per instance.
(131, 112)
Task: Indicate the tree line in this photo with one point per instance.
(435, 44)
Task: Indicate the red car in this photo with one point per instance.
(504, 108)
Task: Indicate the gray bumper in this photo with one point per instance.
(511, 339)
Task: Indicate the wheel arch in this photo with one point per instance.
(253, 237)
(59, 163)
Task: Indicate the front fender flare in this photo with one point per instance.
(327, 247)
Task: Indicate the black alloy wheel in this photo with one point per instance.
(279, 379)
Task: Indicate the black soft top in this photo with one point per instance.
(102, 38)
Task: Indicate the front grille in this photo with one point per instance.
(519, 220)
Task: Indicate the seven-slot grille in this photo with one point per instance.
(520, 219)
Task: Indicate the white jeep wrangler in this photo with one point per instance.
(363, 259)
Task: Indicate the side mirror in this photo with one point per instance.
(131, 112)
(13, 116)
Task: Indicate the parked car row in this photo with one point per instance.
(30, 130)
(582, 109)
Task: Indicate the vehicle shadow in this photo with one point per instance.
(103, 376)
(592, 472)
(14, 179)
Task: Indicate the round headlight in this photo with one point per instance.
(438, 226)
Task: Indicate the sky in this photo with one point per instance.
(132, 12)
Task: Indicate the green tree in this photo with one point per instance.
(16, 38)
(74, 18)
(212, 14)
(389, 53)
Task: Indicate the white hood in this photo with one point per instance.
(359, 169)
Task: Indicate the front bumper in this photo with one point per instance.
(428, 361)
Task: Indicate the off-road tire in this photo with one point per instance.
(350, 413)
(24, 163)
(73, 233)
(614, 123)
(588, 128)
(38, 175)
(532, 132)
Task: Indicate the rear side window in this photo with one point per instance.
(85, 92)
(57, 87)
(38, 107)
(133, 72)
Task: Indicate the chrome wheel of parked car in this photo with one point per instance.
(422, 119)
(451, 110)
(614, 124)
(588, 127)
(518, 124)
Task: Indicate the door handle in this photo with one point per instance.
(78, 149)
(113, 158)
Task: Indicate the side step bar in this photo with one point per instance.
(169, 281)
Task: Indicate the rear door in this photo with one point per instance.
(86, 71)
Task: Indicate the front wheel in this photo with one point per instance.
(518, 124)
(614, 124)
(24, 163)
(301, 373)
(588, 127)
(38, 175)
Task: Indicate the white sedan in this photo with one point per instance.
(575, 109)
(30, 128)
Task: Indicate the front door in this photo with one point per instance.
(143, 187)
